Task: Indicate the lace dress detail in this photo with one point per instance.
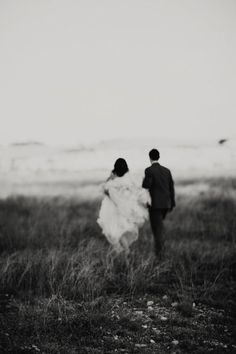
(123, 209)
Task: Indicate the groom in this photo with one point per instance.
(159, 182)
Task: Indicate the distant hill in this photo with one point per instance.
(27, 143)
(185, 158)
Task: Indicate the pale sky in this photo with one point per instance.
(73, 71)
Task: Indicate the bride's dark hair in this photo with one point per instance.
(120, 167)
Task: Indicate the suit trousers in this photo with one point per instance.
(156, 220)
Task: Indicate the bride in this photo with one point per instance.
(123, 209)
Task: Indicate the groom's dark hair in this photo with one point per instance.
(154, 155)
(120, 167)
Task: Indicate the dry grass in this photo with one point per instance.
(55, 263)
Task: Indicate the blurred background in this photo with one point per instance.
(85, 82)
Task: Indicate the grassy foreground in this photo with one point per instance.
(62, 290)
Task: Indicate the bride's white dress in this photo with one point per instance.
(123, 210)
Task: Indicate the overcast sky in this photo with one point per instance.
(75, 71)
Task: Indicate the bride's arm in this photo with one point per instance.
(111, 177)
(107, 184)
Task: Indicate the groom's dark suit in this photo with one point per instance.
(158, 180)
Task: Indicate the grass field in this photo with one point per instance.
(62, 289)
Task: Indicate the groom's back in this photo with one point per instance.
(159, 181)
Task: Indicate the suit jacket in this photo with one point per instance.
(158, 180)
